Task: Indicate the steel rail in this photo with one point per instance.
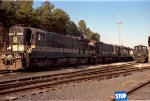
(70, 79)
(82, 72)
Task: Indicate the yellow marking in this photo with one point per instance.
(128, 82)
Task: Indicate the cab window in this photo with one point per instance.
(136, 48)
(41, 37)
(144, 48)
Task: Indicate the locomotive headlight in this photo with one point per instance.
(18, 47)
(138, 54)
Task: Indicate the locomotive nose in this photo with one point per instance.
(138, 54)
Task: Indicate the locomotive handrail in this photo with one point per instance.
(27, 45)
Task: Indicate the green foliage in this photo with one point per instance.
(45, 17)
(82, 26)
(7, 12)
(95, 37)
(87, 32)
(24, 13)
(60, 21)
(7, 16)
(72, 29)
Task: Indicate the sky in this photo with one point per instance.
(102, 17)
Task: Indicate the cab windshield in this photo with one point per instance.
(140, 48)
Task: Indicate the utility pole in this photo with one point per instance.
(119, 24)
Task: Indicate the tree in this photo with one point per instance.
(44, 15)
(87, 32)
(95, 37)
(60, 21)
(7, 12)
(82, 26)
(7, 16)
(24, 13)
(72, 29)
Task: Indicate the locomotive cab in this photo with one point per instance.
(140, 53)
(19, 38)
(16, 55)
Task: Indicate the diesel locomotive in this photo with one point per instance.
(36, 48)
(140, 54)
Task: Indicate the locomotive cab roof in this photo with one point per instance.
(18, 30)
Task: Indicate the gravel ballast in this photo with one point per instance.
(90, 90)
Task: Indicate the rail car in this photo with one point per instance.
(36, 48)
(140, 54)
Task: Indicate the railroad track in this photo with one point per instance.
(80, 71)
(140, 92)
(29, 83)
(62, 74)
(5, 71)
